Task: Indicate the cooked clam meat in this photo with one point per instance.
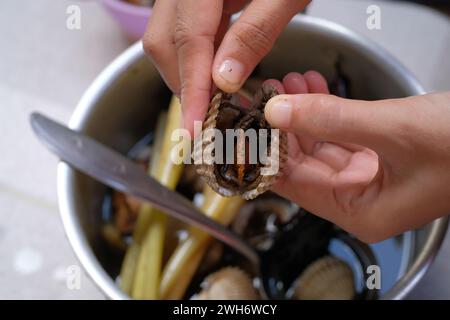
(243, 170)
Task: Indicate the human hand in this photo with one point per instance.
(374, 168)
(191, 44)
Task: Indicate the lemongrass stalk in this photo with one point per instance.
(168, 173)
(129, 267)
(147, 278)
(144, 216)
(181, 266)
(129, 263)
(179, 290)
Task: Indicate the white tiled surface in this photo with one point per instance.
(46, 67)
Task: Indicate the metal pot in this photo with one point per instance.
(122, 103)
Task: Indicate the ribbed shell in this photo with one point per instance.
(206, 169)
(229, 283)
(327, 278)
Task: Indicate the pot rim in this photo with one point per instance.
(65, 174)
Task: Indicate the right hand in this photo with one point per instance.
(191, 43)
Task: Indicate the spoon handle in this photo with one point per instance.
(118, 172)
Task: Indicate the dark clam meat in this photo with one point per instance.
(240, 172)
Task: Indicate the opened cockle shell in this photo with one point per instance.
(230, 283)
(242, 175)
(327, 278)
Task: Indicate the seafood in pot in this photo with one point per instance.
(229, 283)
(327, 278)
(165, 259)
(241, 176)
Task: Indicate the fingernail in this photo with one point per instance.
(232, 71)
(278, 112)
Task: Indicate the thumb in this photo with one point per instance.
(373, 124)
(249, 39)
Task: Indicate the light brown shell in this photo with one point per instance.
(327, 278)
(206, 169)
(229, 283)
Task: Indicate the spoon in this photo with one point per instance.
(118, 172)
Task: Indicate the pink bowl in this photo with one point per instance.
(132, 18)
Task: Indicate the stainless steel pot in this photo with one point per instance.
(122, 103)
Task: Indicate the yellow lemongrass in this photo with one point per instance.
(144, 216)
(146, 282)
(183, 263)
(129, 267)
(129, 262)
(179, 290)
(149, 264)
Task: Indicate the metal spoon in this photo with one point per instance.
(120, 173)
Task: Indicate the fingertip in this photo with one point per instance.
(192, 123)
(275, 83)
(316, 82)
(188, 125)
(278, 111)
(295, 83)
(229, 74)
(193, 112)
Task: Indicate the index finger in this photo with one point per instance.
(196, 27)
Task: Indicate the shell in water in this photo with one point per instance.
(228, 283)
(242, 177)
(327, 278)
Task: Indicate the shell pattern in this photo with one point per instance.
(206, 168)
(229, 283)
(327, 278)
